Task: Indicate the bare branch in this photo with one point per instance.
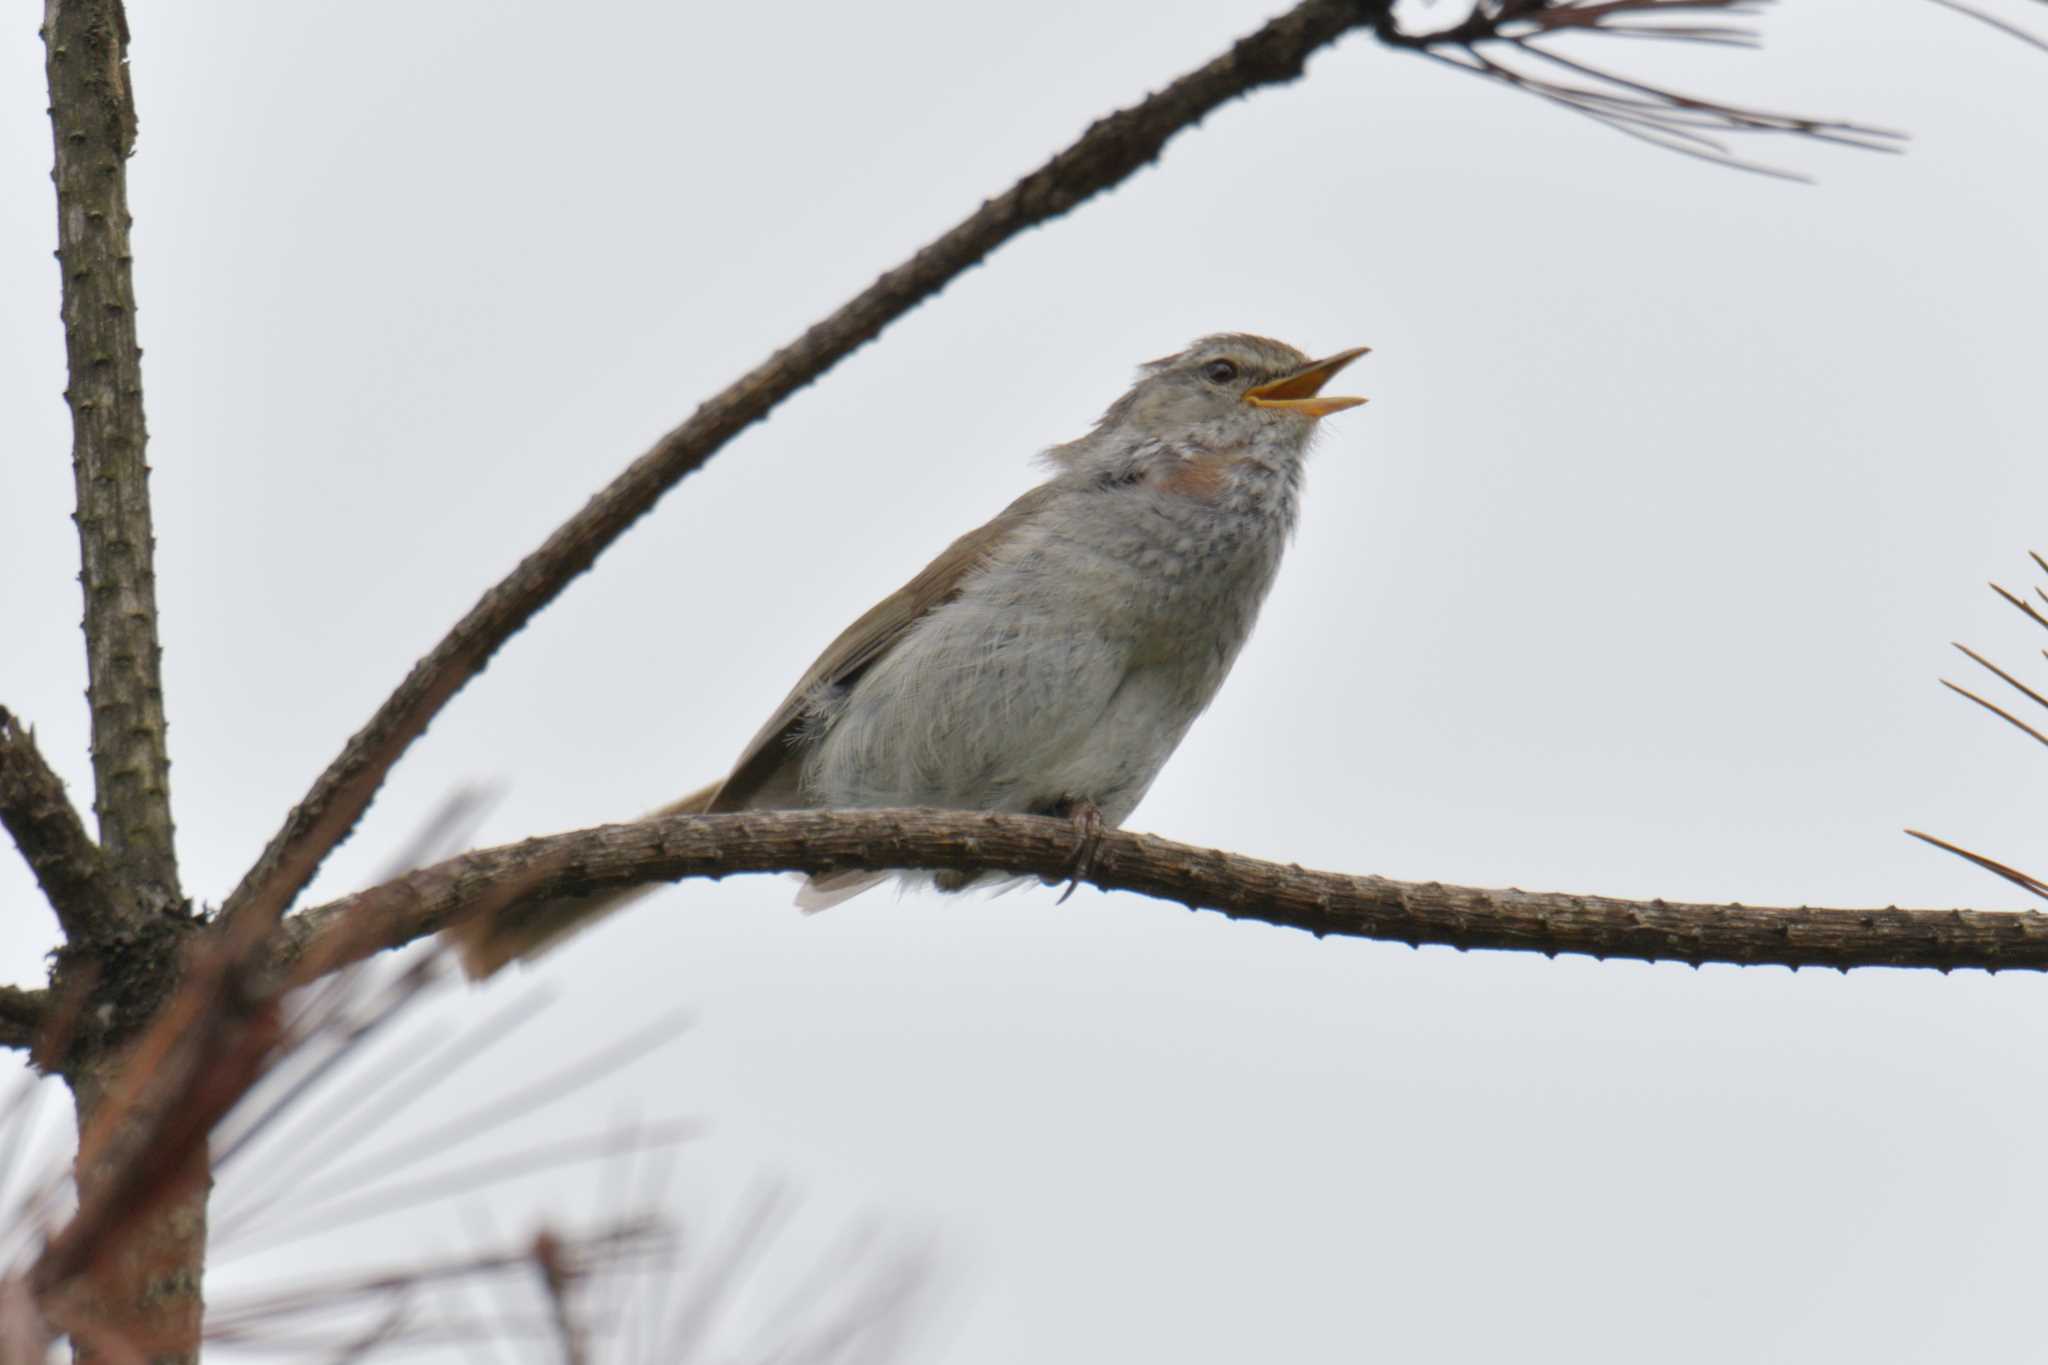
(90, 904)
(1112, 149)
(610, 857)
(22, 1013)
(92, 113)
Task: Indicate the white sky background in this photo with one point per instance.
(1635, 577)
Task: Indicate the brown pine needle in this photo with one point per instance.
(2018, 878)
(2008, 678)
(2008, 717)
(2024, 605)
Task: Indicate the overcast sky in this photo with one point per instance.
(1636, 576)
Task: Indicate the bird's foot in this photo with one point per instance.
(1088, 825)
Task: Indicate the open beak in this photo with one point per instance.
(1298, 392)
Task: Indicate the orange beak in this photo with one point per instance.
(1298, 392)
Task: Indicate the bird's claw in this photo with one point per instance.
(1087, 818)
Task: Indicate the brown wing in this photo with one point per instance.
(766, 775)
(765, 778)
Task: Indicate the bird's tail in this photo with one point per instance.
(823, 890)
(523, 930)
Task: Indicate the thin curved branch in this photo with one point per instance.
(1112, 149)
(90, 904)
(613, 856)
(92, 114)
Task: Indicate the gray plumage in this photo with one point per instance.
(1050, 661)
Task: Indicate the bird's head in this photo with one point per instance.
(1233, 394)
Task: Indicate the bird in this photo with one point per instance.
(1050, 661)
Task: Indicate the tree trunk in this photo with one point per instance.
(145, 1297)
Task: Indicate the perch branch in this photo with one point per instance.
(613, 856)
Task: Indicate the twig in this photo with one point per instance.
(21, 1016)
(68, 865)
(1111, 150)
(92, 113)
(614, 856)
(1665, 118)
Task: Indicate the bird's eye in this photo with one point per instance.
(1219, 372)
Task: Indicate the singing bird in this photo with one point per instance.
(1050, 661)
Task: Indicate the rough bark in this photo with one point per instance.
(146, 1297)
(90, 904)
(1112, 149)
(612, 856)
(21, 1016)
(92, 112)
